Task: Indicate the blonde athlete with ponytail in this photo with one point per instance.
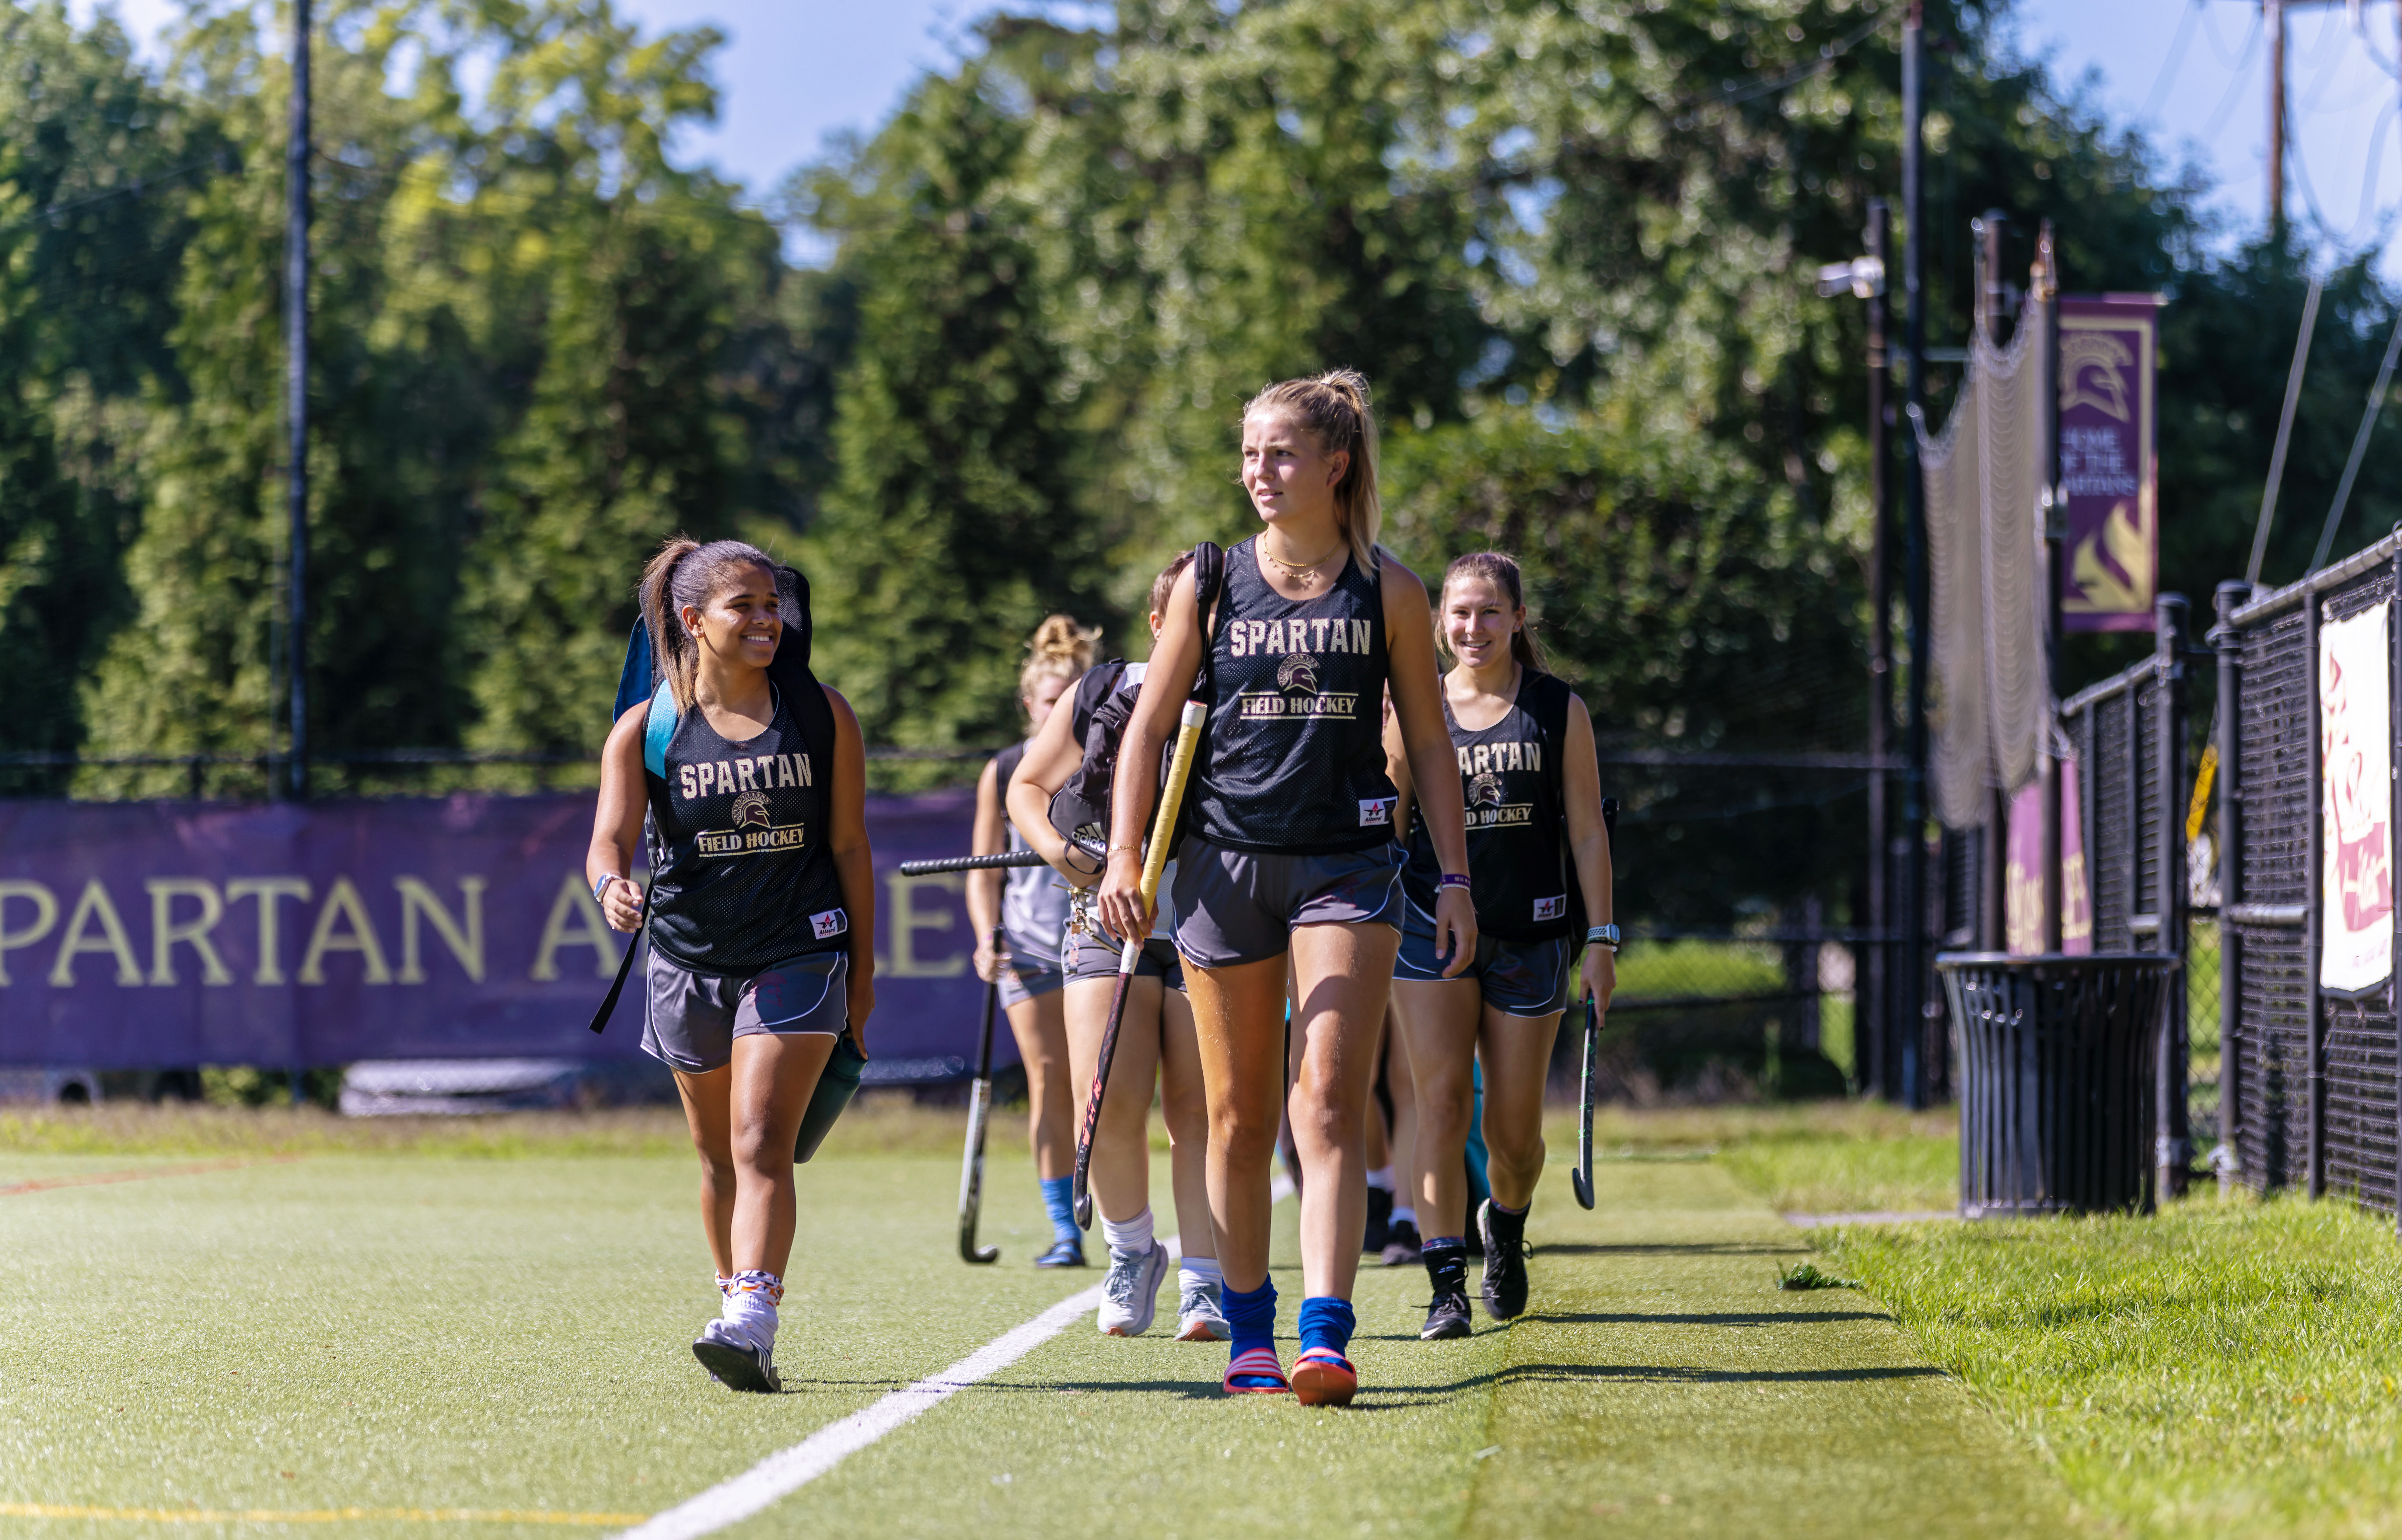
(762, 909)
(1030, 906)
(1290, 865)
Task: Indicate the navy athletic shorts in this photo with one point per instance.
(1235, 907)
(1517, 978)
(692, 1018)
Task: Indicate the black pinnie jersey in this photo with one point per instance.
(742, 876)
(1510, 779)
(1294, 761)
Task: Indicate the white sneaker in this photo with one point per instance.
(1199, 1319)
(1130, 1294)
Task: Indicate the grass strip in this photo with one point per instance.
(2225, 1367)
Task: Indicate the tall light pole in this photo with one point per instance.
(1910, 1026)
(295, 396)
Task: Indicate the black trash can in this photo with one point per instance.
(2057, 1100)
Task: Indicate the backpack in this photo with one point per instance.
(1548, 704)
(1080, 811)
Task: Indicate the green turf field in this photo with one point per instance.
(410, 1343)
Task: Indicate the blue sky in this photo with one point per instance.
(2194, 70)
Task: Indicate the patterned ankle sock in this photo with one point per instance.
(751, 1305)
(1327, 1322)
(1059, 1198)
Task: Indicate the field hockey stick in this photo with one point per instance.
(979, 1113)
(1154, 861)
(1582, 1178)
(998, 860)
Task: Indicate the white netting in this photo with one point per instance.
(1984, 540)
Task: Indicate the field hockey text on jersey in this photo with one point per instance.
(1297, 694)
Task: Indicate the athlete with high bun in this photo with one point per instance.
(1289, 863)
(761, 904)
(1156, 1039)
(1030, 906)
(1538, 853)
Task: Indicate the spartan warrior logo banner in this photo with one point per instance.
(751, 811)
(1298, 672)
(2108, 352)
(753, 831)
(1485, 808)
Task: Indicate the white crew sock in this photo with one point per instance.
(1404, 1215)
(1198, 1272)
(1381, 1178)
(1131, 1238)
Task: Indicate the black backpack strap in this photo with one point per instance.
(1209, 586)
(1098, 682)
(1547, 697)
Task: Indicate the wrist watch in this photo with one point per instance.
(600, 889)
(1603, 935)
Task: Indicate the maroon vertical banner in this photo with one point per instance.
(2110, 354)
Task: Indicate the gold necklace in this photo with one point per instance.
(1305, 572)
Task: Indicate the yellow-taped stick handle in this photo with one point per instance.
(1171, 799)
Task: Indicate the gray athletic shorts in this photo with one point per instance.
(1096, 957)
(692, 1018)
(1516, 978)
(1030, 975)
(1235, 907)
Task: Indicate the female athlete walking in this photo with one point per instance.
(1030, 908)
(1155, 1043)
(762, 907)
(1289, 864)
(1535, 845)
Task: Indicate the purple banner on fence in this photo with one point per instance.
(155, 935)
(2109, 347)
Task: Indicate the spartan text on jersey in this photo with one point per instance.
(716, 777)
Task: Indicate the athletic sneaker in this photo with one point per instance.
(1065, 1252)
(1447, 1276)
(1402, 1243)
(1199, 1317)
(1447, 1317)
(734, 1361)
(1505, 1261)
(1130, 1294)
(1380, 1216)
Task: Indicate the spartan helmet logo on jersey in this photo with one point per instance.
(1299, 671)
(750, 809)
(1484, 791)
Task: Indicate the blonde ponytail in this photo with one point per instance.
(1059, 649)
(1334, 408)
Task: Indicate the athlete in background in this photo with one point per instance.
(1528, 774)
(762, 909)
(1155, 1043)
(1030, 906)
(1291, 861)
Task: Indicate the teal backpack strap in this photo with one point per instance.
(659, 730)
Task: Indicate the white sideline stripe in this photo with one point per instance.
(787, 1471)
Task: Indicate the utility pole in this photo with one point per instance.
(1911, 1024)
(2272, 17)
(296, 394)
(1876, 988)
(1993, 933)
(2046, 284)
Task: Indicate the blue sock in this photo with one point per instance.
(1250, 1314)
(1326, 1322)
(1059, 1197)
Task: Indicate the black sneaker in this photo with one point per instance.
(1505, 1261)
(1380, 1217)
(1447, 1315)
(1066, 1252)
(1402, 1243)
(735, 1362)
